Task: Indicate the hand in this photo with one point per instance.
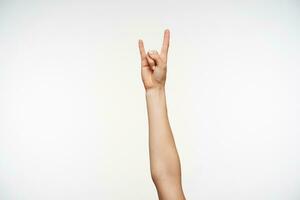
(154, 64)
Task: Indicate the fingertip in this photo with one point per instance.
(150, 55)
(152, 52)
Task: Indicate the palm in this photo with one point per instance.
(153, 70)
(152, 77)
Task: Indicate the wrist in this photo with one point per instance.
(156, 100)
(155, 90)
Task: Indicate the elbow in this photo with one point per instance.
(156, 177)
(163, 176)
(168, 169)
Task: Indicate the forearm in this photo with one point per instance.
(164, 159)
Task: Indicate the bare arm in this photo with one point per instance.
(164, 159)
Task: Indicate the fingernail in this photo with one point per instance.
(152, 51)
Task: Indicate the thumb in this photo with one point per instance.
(156, 57)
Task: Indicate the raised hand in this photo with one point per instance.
(154, 64)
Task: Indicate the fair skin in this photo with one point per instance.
(164, 159)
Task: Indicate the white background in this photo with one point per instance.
(72, 107)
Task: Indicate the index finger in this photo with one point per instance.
(165, 45)
(142, 49)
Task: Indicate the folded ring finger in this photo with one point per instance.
(151, 62)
